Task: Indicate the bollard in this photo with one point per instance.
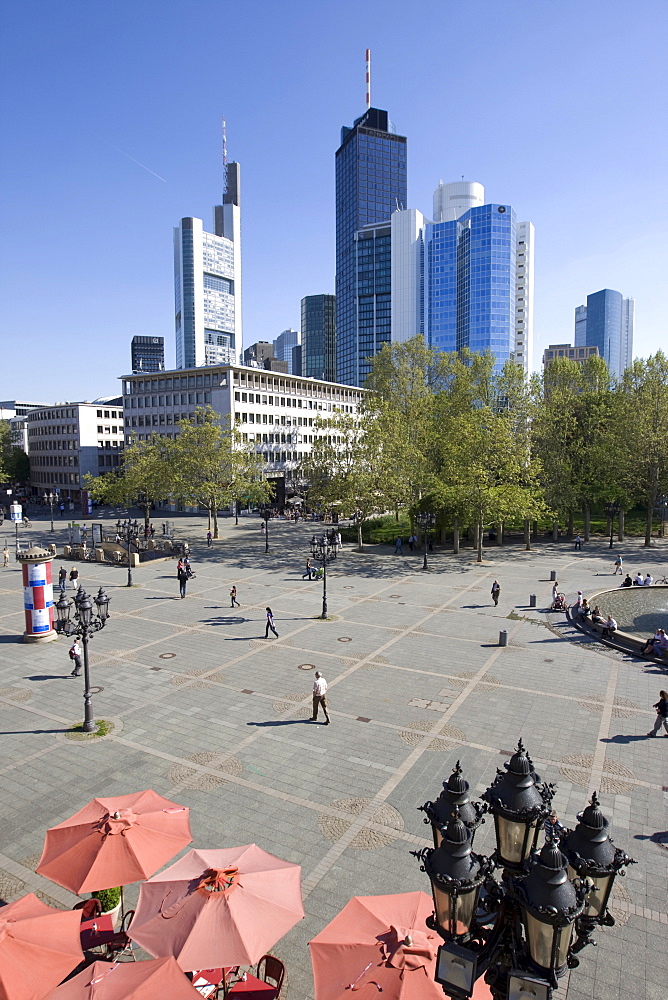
(503, 638)
(553, 575)
(532, 600)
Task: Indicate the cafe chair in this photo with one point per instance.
(120, 944)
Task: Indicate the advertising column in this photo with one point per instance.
(37, 595)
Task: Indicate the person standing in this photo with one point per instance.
(319, 699)
(61, 508)
(233, 597)
(270, 624)
(182, 574)
(661, 714)
(619, 563)
(555, 590)
(75, 656)
(5, 556)
(209, 538)
(495, 592)
(62, 579)
(74, 577)
(309, 570)
(398, 550)
(578, 544)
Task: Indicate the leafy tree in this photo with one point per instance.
(14, 463)
(345, 468)
(145, 477)
(214, 467)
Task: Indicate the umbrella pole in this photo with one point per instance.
(122, 904)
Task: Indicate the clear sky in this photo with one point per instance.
(111, 133)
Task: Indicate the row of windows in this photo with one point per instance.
(179, 399)
(55, 430)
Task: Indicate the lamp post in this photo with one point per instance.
(129, 532)
(265, 515)
(322, 552)
(515, 930)
(426, 522)
(50, 498)
(611, 510)
(84, 625)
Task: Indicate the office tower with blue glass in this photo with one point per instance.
(371, 184)
(207, 283)
(283, 346)
(606, 322)
(319, 337)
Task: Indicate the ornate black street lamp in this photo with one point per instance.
(516, 930)
(265, 514)
(322, 550)
(455, 796)
(129, 533)
(612, 510)
(427, 523)
(85, 624)
(50, 498)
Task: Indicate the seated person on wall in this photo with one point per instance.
(610, 627)
(648, 581)
(585, 610)
(657, 645)
(627, 582)
(597, 617)
(639, 580)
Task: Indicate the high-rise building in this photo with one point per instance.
(319, 337)
(568, 351)
(297, 359)
(606, 322)
(207, 283)
(370, 185)
(283, 347)
(258, 353)
(148, 354)
(524, 256)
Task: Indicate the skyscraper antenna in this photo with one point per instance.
(368, 78)
(224, 130)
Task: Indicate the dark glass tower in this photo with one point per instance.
(370, 185)
(148, 354)
(319, 337)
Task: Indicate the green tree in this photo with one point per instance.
(144, 478)
(345, 468)
(14, 463)
(214, 467)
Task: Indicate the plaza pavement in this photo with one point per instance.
(210, 714)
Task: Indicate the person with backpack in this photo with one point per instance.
(183, 575)
(75, 657)
(270, 624)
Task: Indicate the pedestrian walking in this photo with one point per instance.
(61, 508)
(5, 556)
(182, 574)
(495, 592)
(578, 544)
(319, 699)
(309, 570)
(619, 563)
(62, 579)
(74, 577)
(411, 544)
(270, 624)
(75, 657)
(398, 550)
(552, 828)
(555, 590)
(233, 597)
(661, 714)
(209, 539)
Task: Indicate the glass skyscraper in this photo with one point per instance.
(606, 322)
(319, 337)
(370, 185)
(471, 282)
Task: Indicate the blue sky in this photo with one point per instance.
(557, 107)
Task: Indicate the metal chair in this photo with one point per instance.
(90, 908)
(120, 943)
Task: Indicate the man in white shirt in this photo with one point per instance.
(648, 581)
(319, 692)
(609, 627)
(639, 580)
(75, 657)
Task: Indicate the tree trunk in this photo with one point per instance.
(648, 525)
(360, 543)
(570, 524)
(555, 531)
(455, 538)
(396, 515)
(441, 536)
(236, 511)
(587, 525)
(147, 514)
(620, 528)
(208, 527)
(215, 522)
(527, 535)
(478, 536)
(534, 531)
(499, 533)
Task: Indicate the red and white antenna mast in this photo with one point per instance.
(368, 78)
(224, 131)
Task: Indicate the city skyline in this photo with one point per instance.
(107, 118)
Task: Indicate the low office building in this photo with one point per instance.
(68, 440)
(16, 411)
(579, 354)
(272, 410)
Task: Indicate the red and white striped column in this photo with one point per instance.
(37, 596)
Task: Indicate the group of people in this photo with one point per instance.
(184, 572)
(62, 578)
(638, 581)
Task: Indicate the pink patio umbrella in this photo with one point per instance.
(39, 946)
(159, 977)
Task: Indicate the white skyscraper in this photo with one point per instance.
(452, 200)
(524, 294)
(407, 274)
(207, 284)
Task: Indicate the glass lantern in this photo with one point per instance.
(519, 804)
(456, 874)
(102, 602)
(84, 608)
(455, 794)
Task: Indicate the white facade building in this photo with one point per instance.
(524, 294)
(207, 284)
(273, 411)
(407, 279)
(452, 200)
(67, 440)
(16, 411)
